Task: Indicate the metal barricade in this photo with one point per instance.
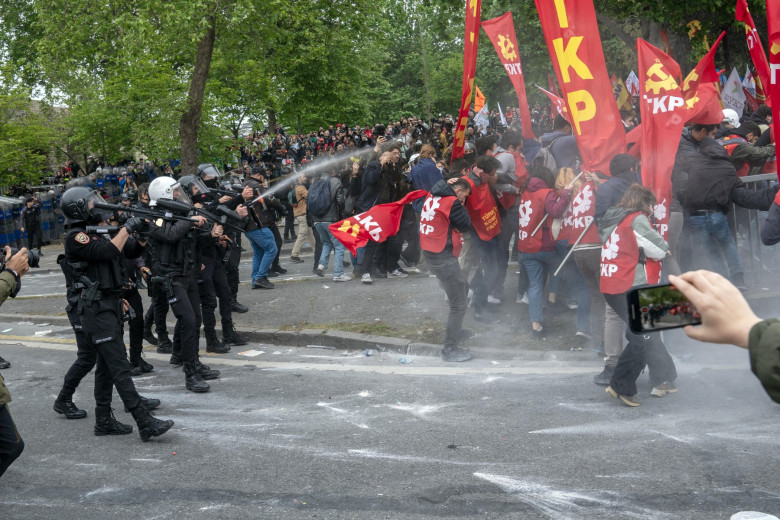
(745, 227)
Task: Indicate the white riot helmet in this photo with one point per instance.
(730, 116)
(167, 188)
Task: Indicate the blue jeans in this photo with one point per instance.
(330, 242)
(534, 265)
(574, 282)
(712, 236)
(264, 247)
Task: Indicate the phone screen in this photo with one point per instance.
(659, 307)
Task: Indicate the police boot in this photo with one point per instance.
(105, 424)
(138, 362)
(213, 344)
(146, 402)
(205, 371)
(230, 335)
(237, 307)
(193, 380)
(134, 370)
(164, 345)
(148, 425)
(148, 336)
(64, 406)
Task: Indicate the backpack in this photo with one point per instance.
(291, 198)
(546, 158)
(318, 201)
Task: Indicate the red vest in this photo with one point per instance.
(531, 212)
(435, 225)
(619, 256)
(507, 200)
(483, 210)
(730, 143)
(581, 211)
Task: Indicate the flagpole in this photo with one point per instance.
(572, 247)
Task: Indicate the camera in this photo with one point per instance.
(33, 258)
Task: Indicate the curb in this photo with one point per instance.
(343, 340)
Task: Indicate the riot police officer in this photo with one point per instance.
(94, 275)
(176, 263)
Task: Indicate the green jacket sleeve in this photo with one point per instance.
(764, 347)
(5, 395)
(7, 286)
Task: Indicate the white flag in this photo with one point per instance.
(632, 84)
(749, 83)
(482, 120)
(733, 97)
(503, 117)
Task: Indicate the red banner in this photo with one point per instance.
(473, 14)
(501, 32)
(558, 104)
(754, 43)
(573, 40)
(663, 117)
(773, 23)
(377, 224)
(702, 98)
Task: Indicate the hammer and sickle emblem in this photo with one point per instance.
(665, 81)
(507, 48)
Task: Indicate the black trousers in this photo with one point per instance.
(509, 225)
(289, 221)
(214, 285)
(410, 231)
(99, 342)
(11, 443)
(278, 239)
(136, 325)
(185, 305)
(231, 266)
(642, 349)
(455, 285)
(34, 237)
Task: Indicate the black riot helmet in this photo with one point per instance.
(209, 174)
(78, 205)
(195, 188)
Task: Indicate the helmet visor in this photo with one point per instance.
(180, 194)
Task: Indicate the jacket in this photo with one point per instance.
(555, 205)
(423, 177)
(647, 239)
(764, 349)
(263, 209)
(610, 193)
(9, 286)
(381, 184)
(300, 197)
(713, 183)
(770, 228)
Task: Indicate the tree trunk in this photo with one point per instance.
(271, 121)
(190, 120)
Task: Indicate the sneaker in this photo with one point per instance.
(320, 270)
(493, 299)
(663, 389)
(398, 273)
(523, 299)
(342, 278)
(603, 377)
(379, 274)
(628, 400)
(279, 269)
(456, 354)
(412, 268)
(4, 363)
(296, 260)
(571, 305)
(582, 337)
(262, 283)
(366, 278)
(486, 316)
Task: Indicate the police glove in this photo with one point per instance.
(135, 224)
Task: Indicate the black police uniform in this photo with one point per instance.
(32, 224)
(94, 275)
(136, 321)
(177, 261)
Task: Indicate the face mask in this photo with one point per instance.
(211, 183)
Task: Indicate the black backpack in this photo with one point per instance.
(318, 202)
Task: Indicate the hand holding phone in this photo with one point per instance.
(657, 307)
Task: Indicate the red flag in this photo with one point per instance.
(752, 103)
(663, 116)
(573, 40)
(377, 224)
(702, 98)
(755, 46)
(558, 104)
(773, 22)
(473, 13)
(501, 32)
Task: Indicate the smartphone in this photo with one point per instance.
(659, 307)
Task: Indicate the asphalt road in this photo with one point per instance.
(312, 433)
